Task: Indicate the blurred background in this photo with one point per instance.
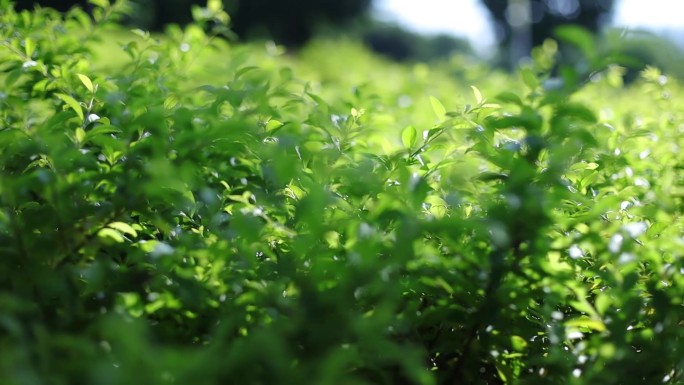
(500, 32)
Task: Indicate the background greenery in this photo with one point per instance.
(180, 209)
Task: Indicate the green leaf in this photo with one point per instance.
(435, 131)
(86, 82)
(409, 136)
(509, 97)
(579, 37)
(333, 239)
(111, 234)
(356, 113)
(170, 102)
(214, 5)
(12, 76)
(444, 285)
(438, 108)
(124, 228)
(80, 134)
(587, 323)
(273, 124)
(71, 102)
(139, 32)
(478, 95)
(577, 111)
(585, 307)
(602, 303)
(518, 343)
(101, 130)
(100, 3)
(29, 47)
(529, 78)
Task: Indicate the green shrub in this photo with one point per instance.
(201, 214)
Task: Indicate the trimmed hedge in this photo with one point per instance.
(178, 210)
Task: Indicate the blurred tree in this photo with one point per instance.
(288, 22)
(397, 43)
(522, 24)
(163, 12)
(292, 22)
(60, 5)
(390, 41)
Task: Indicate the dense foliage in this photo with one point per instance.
(178, 210)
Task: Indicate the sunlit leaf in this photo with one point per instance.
(86, 82)
(111, 234)
(478, 95)
(170, 102)
(29, 47)
(438, 108)
(123, 228)
(518, 343)
(586, 323)
(409, 136)
(71, 102)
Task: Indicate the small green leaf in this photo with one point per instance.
(438, 108)
(518, 343)
(86, 82)
(273, 124)
(71, 102)
(214, 5)
(80, 134)
(587, 323)
(529, 78)
(582, 306)
(12, 76)
(602, 303)
(29, 47)
(149, 246)
(101, 130)
(478, 95)
(355, 113)
(429, 134)
(509, 97)
(579, 37)
(409, 136)
(100, 3)
(333, 239)
(444, 285)
(111, 234)
(124, 228)
(170, 102)
(577, 111)
(143, 34)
